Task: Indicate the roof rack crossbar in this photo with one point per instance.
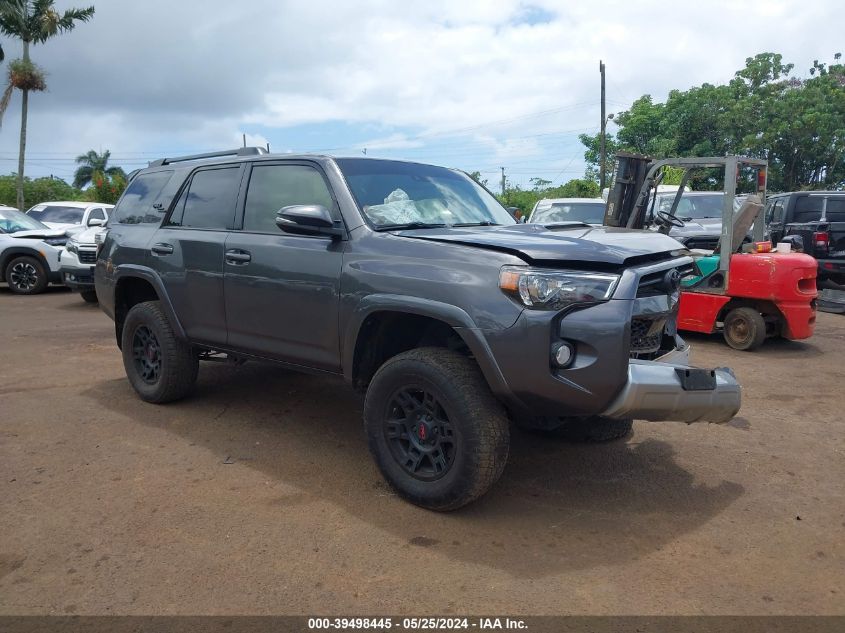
(240, 151)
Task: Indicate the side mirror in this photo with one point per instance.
(307, 219)
(96, 222)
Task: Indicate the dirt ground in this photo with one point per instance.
(258, 495)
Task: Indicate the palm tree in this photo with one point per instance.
(94, 163)
(32, 22)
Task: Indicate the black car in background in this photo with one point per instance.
(818, 217)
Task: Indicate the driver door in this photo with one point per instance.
(282, 290)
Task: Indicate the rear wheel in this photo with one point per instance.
(744, 329)
(436, 431)
(89, 296)
(160, 366)
(26, 275)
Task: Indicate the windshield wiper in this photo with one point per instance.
(482, 223)
(410, 225)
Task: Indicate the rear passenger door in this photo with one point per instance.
(187, 251)
(282, 289)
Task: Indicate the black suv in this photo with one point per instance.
(818, 217)
(418, 287)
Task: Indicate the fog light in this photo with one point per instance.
(563, 354)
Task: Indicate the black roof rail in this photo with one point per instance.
(240, 151)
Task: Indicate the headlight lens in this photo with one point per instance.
(56, 241)
(541, 289)
(72, 246)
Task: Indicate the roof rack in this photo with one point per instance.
(241, 151)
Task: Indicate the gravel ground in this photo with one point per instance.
(257, 495)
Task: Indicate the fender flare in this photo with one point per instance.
(452, 315)
(127, 271)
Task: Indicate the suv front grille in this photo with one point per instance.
(651, 285)
(87, 257)
(652, 325)
(647, 334)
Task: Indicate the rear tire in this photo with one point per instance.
(744, 329)
(435, 430)
(89, 296)
(26, 275)
(160, 366)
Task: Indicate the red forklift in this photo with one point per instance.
(743, 288)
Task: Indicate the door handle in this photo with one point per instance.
(237, 257)
(162, 249)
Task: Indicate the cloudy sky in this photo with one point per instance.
(473, 84)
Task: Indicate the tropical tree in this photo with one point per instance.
(32, 22)
(94, 163)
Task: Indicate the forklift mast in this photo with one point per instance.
(625, 206)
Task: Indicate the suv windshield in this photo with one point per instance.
(587, 212)
(14, 221)
(394, 194)
(59, 214)
(692, 207)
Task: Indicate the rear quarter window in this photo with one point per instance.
(145, 190)
(807, 209)
(836, 209)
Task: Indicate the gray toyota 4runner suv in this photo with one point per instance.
(418, 287)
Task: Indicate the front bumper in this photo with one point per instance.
(608, 375)
(654, 392)
(76, 274)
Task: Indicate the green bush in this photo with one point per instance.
(36, 190)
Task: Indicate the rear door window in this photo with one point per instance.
(145, 190)
(208, 202)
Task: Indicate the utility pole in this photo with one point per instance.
(602, 156)
(503, 181)
(244, 140)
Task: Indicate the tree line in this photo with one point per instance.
(795, 123)
(94, 180)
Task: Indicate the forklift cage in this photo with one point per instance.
(636, 175)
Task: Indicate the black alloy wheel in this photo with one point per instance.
(419, 433)
(146, 353)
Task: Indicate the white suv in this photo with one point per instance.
(77, 262)
(71, 214)
(29, 252)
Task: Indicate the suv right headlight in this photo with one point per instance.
(72, 246)
(544, 289)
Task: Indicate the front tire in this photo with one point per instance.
(26, 275)
(435, 430)
(744, 329)
(89, 296)
(160, 366)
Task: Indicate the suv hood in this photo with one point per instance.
(38, 234)
(695, 228)
(577, 242)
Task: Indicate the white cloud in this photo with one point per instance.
(154, 77)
